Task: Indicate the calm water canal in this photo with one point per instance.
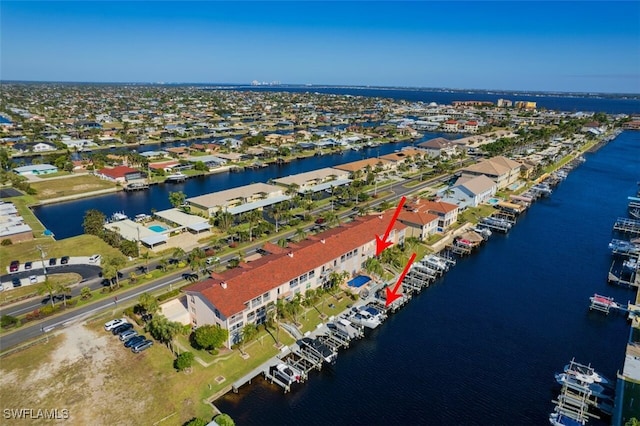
(65, 219)
(482, 345)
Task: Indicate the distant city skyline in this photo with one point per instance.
(538, 46)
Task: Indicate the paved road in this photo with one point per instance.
(28, 332)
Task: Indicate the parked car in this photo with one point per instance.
(27, 265)
(15, 265)
(129, 334)
(135, 340)
(95, 258)
(110, 325)
(33, 279)
(53, 261)
(320, 220)
(212, 260)
(16, 282)
(64, 260)
(141, 346)
(121, 328)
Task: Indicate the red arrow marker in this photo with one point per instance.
(382, 243)
(393, 294)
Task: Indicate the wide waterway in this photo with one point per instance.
(65, 219)
(481, 346)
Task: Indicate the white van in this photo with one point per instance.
(95, 258)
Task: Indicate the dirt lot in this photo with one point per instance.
(86, 371)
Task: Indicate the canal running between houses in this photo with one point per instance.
(157, 196)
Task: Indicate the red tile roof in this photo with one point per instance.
(430, 206)
(271, 271)
(117, 172)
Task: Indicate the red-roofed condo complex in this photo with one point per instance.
(241, 295)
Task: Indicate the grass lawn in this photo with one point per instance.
(54, 188)
(311, 315)
(54, 175)
(81, 245)
(474, 214)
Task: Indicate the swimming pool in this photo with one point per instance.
(158, 228)
(493, 201)
(359, 281)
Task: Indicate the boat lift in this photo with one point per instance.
(626, 225)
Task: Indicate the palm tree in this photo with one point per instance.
(223, 220)
(64, 290)
(331, 218)
(163, 330)
(252, 216)
(163, 264)
(148, 303)
(277, 212)
(373, 267)
(48, 287)
(249, 331)
(300, 234)
(178, 253)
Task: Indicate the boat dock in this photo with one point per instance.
(136, 186)
(626, 225)
(606, 304)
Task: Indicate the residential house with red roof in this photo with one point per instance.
(446, 213)
(120, 174)
(242, 295)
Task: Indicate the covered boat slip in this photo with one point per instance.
(510, 207)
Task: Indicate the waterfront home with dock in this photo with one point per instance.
(241, 295)
(501, 170)
(470, 191)
(446, 213)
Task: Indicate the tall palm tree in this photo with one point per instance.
(48, 287)
(64, 290)
(300, 234)
(178, 253)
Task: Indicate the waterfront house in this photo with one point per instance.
(43, 147)
(119, 174)
(315, 180)
(243, 295)
(373, 163)
(501, 170)
(420, 224)
(450, 126)
(36, 169)
(238, 200)
(401, 156)
(447, 213)
(438, 147)
(470, 191)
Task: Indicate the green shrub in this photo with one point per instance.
(6, 242)
(183, 361)
(48, 310)
(169, 295)
(224, 420)
(7, 321)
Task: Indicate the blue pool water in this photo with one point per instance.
(359, 281)
(158, 228)
(493, 201)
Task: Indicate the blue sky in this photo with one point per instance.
(556, 46)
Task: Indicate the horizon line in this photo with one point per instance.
(319, 85)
